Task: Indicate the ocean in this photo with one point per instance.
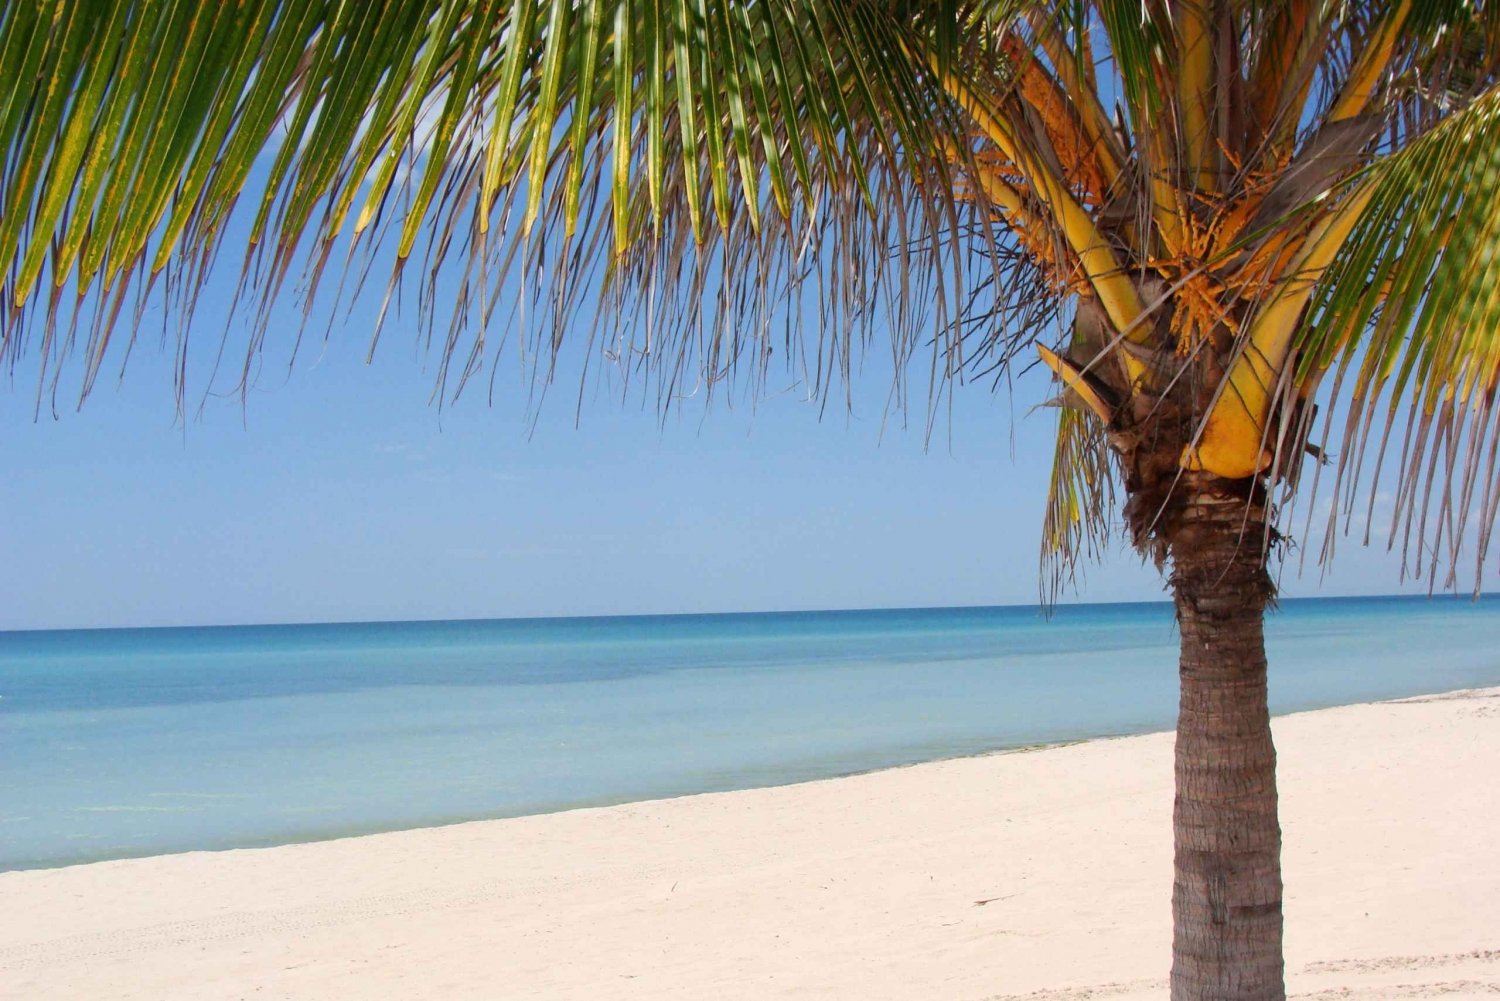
(122, 743)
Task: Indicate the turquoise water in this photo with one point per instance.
(119, 743)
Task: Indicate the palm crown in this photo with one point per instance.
(1243, 212)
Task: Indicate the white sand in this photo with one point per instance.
(1042, 875)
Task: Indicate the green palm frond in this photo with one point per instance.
(710, 133)
(1080, 501)
(1140, 40)
(1430, 21)
(1408, 320)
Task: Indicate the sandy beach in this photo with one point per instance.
(1041, 874)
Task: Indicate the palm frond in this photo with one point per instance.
(1080, 501)
(1141, 41)
(1408, 319)
(612, 145)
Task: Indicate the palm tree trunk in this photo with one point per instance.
(1226, 898)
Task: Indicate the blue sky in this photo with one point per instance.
(341, 493)
(338, 492)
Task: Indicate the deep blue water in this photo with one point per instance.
(116, 743)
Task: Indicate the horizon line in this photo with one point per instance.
(1431, 595)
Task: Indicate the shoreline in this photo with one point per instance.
(446, 824)
(443, 823)
(1003, 874)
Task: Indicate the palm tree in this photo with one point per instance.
(1242, 215)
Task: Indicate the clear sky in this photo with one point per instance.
(338, 492)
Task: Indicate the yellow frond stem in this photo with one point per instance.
(998, 178)
(1116, 292)
(1232, 443)
(997, 188)
(1360, 87)
(995, 130)
(1073, 378)
(1195, 93)
(1169, 212)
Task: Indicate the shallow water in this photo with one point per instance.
(118, 743)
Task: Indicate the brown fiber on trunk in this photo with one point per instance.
(1226, 898)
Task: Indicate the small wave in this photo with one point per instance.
(200, 795)
(131, 809)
